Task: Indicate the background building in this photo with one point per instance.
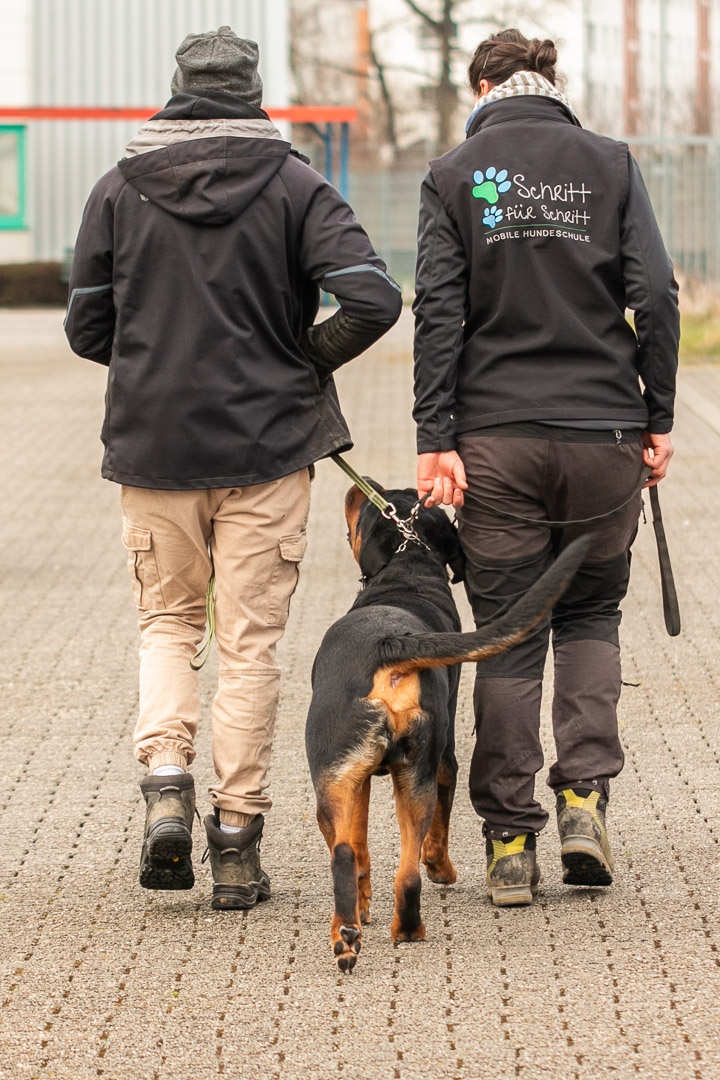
(644, 70)
(94, 53)
(647, 71)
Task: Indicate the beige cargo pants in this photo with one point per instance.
(254, 540)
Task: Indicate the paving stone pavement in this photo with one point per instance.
(101, 979)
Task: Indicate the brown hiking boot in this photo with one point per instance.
(585, 851)
(512, 874)
(165, 862)
(240, 881)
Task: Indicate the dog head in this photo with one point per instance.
(374, 539)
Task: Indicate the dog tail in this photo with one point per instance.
(415, 652)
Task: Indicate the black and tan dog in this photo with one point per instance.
(385, 683)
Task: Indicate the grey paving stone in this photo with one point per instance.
(101, 979)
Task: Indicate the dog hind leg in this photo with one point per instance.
(414, 809)
(435, 857)
(341, 815)
(345, 932)
(358, 841)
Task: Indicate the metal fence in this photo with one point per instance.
(682, 176)
(387, 205)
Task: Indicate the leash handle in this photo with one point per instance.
(671, 608)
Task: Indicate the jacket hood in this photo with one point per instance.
(205, 157)
(208, 105)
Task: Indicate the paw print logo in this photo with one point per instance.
(490, 184)
(493, 217)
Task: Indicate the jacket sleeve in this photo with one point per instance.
(652, 293)
(440, 287)
(90, 319)
(336, 253)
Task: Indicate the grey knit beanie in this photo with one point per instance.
(219, 60)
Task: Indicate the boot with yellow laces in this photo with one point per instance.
(585, 851)
(512, 874)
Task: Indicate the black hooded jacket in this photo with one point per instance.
(196, 279)
(535, 236)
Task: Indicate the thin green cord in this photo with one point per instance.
(204, 650)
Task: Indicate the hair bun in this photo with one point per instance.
(503, 54)
(542, 57)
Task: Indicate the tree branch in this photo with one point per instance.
(424, 15)
(386, 96)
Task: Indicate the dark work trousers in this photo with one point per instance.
(561, 476)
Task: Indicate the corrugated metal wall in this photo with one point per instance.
(119, 52)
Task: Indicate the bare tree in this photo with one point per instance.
(444, 28)
(443, 20)
(400, 93)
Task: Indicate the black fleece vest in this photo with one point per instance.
(537, 201)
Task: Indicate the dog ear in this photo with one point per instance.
(442, 535)
(354, 497)
(355, 500)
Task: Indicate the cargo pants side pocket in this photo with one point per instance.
(142, 565)
(285, 576)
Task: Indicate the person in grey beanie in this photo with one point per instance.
(196, 281)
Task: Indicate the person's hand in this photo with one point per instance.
(657, 451)
(443, 475)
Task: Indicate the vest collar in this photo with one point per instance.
(520, 108)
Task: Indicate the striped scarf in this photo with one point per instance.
(518, 85)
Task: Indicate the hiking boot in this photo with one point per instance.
(165, 861)
(585, 851)
(240, 881)
(512, 874)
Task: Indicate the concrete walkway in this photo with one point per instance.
(99, 978)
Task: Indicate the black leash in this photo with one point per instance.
(561, 524)
(671, 609)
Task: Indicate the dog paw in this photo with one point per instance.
(400, 933)
(438, 866)
(347, 947)
(442, 871)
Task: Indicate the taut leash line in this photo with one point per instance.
(360, 482)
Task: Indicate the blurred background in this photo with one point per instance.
(78, 76)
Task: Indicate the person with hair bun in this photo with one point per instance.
(538, 407)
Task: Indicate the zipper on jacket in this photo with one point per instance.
(618, 436)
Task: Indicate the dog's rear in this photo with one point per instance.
(384, 687)
(364, 720)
